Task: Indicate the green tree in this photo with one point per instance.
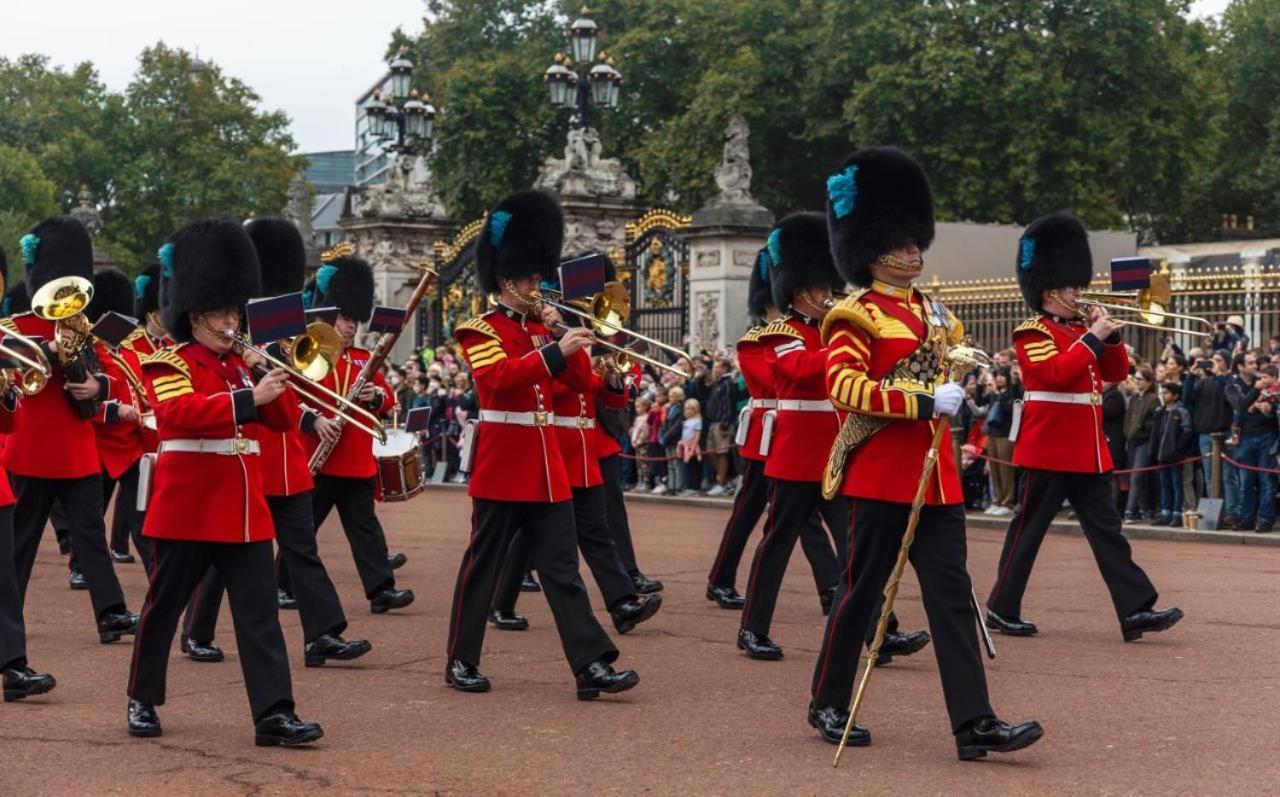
(1247, 166)
(188, 145)
(26, 196)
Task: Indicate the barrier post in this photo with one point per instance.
(1215, 458)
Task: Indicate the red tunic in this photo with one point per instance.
(868, 334)
(6, 426)
(286, 455)
(207, 497)
(1064, 357)
(119, 441)
(135, 347)
(514, 363)
(755, 372)
(352, 457)
(50, 440)
(796, 360)
(573, 398)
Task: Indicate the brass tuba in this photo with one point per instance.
(63, 301)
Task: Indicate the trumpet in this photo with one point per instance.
(303, 350)
(32, 379)
(1147, 305)
(609, 310)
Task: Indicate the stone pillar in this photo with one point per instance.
(395, 226)
(723, 240)
(597, 194)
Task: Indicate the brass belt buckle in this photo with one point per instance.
(241, 445)
(582, 421)
(1095, 399)
(540, 417)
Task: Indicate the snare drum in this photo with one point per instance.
(400, 475)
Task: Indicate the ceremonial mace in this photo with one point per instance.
(959, 360)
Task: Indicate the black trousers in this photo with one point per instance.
(82, 500)
(319, 607)
(938, 556)
(201, 620)
(619, 525)
(126, 520)
(748, 506)
(353, 499)
(791, 508)
(1091, 497)
(176, 567)
(590, 518)
(13, 635)
(553, 542)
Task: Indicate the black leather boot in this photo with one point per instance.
(202, 651)
(1149, 622)
(507, 621)
(644, 584)
(830, 722)
(599, 677)
(465, 677)
(1010, 626)
(388, 598)
(901, 645)
(758, 646)
(725, 597)
(991, 735)
(632, 612)
(333, 646)
(23, 682)
(143, 721)
(284, 729)
(115, 623)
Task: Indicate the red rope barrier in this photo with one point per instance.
(1119, 471)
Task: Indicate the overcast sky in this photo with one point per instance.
(310, 59)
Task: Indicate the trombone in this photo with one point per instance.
(304, 350)
(35, 376)
(1148, 305)
(609, 310)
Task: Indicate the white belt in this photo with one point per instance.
(230, 447)
(805, 405)
(539, 418)
(575, 422)
(1062, 398)
(763, 404)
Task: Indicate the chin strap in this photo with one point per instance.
(898, 264)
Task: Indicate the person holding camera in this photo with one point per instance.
(1138, 423)
(1256, 417)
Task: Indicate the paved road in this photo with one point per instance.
(1194, 711)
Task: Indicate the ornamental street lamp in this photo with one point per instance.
(573, 82)
(403, 122)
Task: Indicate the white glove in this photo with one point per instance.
(947, 399)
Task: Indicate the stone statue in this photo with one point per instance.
(87, 213)
(709, 320)
(733, 175)
(583, 172)
(407, 193)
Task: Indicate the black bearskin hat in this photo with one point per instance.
(56, 247)
(16, 300)
(521, 236)
(281, 254)
(146, 292)
(209, 264)
(759, 287)
(345, 283)
(1053, 252)
(112, 293)
(879, 201)
(799, 257)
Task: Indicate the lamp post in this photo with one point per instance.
(403, 121)
(573, 81)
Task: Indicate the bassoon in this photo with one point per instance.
(376, 358)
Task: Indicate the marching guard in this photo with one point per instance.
(802, 279)
(287, 480)
(52, 454)
(573, 401)
(518, 478)
(347, 479)
(1065, 356)
(207, 507)
(883, 368)
(755, 437)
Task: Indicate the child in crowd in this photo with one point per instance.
(1173, 440)
(654, 448)
(669, 435)
(640, 439)
(689, 447)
